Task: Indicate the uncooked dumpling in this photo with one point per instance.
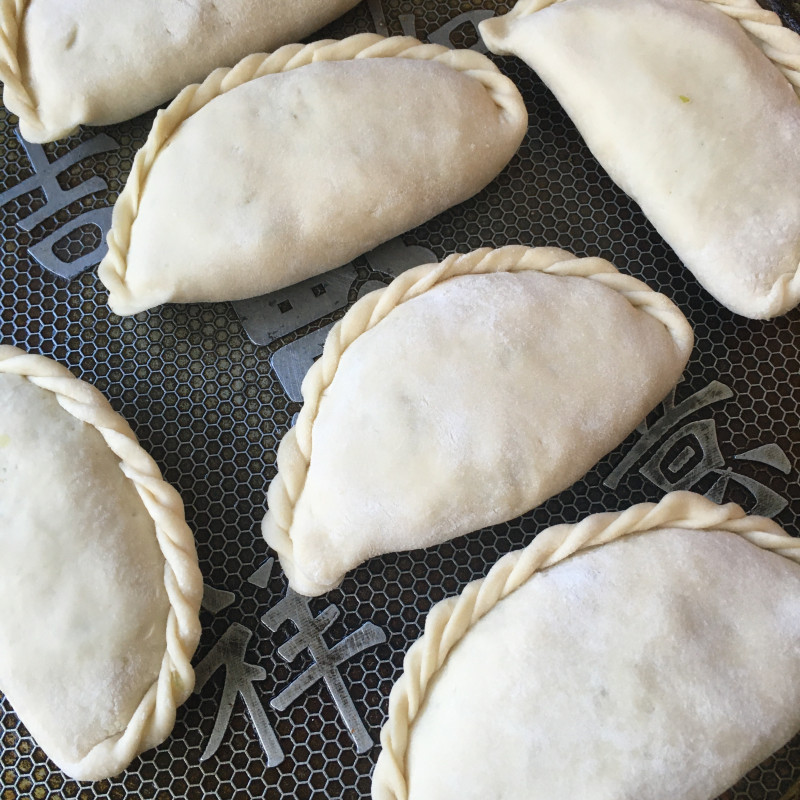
(650, 653)
(85, 62)
(295, 163)
(463, 395)
(693, 108)
(100, 584)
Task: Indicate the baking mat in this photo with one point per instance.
(292, 693)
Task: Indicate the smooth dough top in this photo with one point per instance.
(292, 173)
(87, 62)
(468, 405)
(690, 117)
(661, 665)
(83, 629)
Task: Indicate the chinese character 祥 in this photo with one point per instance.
(230, 651)
(294, 608)
(691, 452)
(240, 676)
(45, 178)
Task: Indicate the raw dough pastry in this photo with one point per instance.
(86, 62)
(692, 107)
(101, 588)
(296, 162)
(588, 665)
(462, 395)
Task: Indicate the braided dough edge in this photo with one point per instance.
(17, 96)
(781, 46)
(294, 451)
(113, 268)
(451, 619)
(154, 718)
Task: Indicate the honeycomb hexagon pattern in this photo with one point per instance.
(292, 693)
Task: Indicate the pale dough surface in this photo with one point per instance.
(292, 174)
(89, 62)
(691, 119)
(469, 405)
(83, 628)
(661, 665)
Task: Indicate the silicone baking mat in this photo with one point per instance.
(291, 693)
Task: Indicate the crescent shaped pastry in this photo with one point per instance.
(462, 395)
(296, 162)
(693, 108)
(101, 588)
(650, 653)
(82, 62)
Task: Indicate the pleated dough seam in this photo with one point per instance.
(501, 89)
(779, 44)
(449, 621)
(295, 449)
(17, 96)
(154, 718)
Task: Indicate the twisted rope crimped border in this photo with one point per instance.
(16, 95)
(782, 47)
(294, 451)
(154, 717)
(113, 268)
(778, 43)
(449, 621)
